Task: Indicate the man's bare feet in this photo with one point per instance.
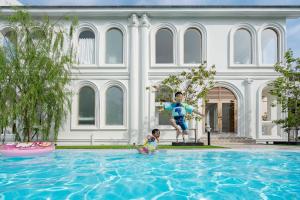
(184, 133)
(178, 132)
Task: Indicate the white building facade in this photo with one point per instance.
(122, 50)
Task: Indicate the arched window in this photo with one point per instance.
(164, 46)
(86, 45)
(10, 38)
(9, 43)
(242, 47)
(86, 106)
(114, 106)
(269, 45)
(164, 94)
(114, 46)
(192, 46)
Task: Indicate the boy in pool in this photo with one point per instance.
(150, 143)
(179, 110)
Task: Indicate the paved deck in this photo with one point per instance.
(262, 146)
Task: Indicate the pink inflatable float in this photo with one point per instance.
(26, 149)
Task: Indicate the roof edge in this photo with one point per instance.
(149, 6)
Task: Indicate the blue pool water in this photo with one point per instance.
(71, 174)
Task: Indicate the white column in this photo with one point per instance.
(144, 66)
(134, 81)
(249, 129)
(199, 124)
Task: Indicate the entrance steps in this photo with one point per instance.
(227, 138)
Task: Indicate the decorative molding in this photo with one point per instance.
(145, 21)
(4, 28)
(164, 11)
(248, 81)
(133, 21)
(255, 75)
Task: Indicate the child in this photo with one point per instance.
(151, 142)
(179, 110)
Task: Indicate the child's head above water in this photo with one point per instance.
(156, 133)
(179, 97)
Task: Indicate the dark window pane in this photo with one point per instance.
(114, 46)
(164, 94)
(114, 106)
(164, 46)
(87, 34)
(163, 118)
(192, 46)
(86, 105)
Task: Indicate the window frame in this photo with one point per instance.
(253, 35)
(87, 27)
(171, 38)
(153, 33)
(75, 107)
(281, 43)
(79, 118)
(106, 45)
(94, 62)
(104, 90)
(105, 110)
(102, 56)
(203, 47)
(4, 31)
(277, 45)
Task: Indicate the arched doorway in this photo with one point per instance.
(221, 110)
(268, 111)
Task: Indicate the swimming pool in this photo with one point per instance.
(221, 174)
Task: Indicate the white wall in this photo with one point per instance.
(244, 81)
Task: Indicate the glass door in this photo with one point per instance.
(221, 116)
(227, 117)
(221, 110)
(212, 116)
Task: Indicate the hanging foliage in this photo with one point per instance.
(35, 60)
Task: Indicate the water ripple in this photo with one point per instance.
(203, 175)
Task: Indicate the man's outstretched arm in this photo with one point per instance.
(198, 113)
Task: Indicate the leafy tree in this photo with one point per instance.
(35, 60)
(286, 88)
(194, 83)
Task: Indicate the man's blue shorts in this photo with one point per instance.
(180, 121)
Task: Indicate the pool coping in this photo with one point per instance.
(184, 150)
